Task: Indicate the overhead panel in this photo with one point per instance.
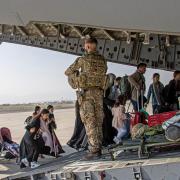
(100, 47)
(52, 42)
(18, 38)
(162, 52)
(170, 55)
(111, 50)
(125, 52)
(62, 44)
(33, 40)
(177, 57)
(1, 38)
(72, 45)
(24, 39)
(150, 52)
(42, 41)
(10, 38)
(5, 37)
(80, 49)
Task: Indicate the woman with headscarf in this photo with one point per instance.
(108, 102)
(79, 134)
(30, 146)
(36, 112)
(50, 130)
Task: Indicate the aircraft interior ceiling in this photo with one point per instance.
(124, 35)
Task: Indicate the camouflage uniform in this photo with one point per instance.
(92, 72)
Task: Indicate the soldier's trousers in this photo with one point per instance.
(91, 111)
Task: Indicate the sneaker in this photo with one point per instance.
(2, 154)
(116, 140)
(22, 165)
(25, 162)
(34, 165)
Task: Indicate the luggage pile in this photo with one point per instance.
(150, 133)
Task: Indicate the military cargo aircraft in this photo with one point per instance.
(128, 32)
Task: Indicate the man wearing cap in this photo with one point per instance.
(90, 72)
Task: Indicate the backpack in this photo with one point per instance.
(125, 87)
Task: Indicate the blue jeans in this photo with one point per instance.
(155, 108)
(135, 105)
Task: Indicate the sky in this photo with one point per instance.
(29, 74)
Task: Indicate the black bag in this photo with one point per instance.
(125, 87)
(9, 155)
(163, 108)
(165, 93)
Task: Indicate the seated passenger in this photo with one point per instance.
(119, 118)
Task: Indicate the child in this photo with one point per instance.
(119, 118)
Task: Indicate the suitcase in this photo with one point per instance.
(138, 117)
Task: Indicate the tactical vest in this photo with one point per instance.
(93, 72)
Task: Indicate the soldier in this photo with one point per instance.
(89, 75)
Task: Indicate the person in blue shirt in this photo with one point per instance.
(156, 90)
(115, 89)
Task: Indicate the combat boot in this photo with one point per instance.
(92, 156)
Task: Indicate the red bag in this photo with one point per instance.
(158, 119)
(138, 117)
